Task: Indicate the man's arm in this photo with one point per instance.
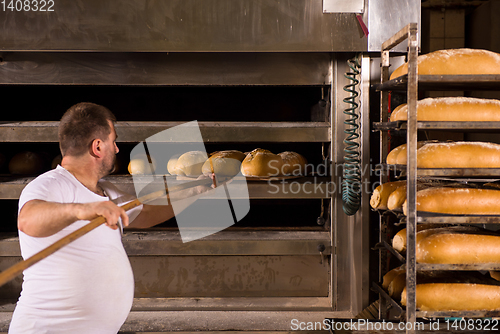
(39, 218)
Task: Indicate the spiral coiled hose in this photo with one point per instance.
(351, 181)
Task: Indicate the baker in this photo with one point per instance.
(87, 286)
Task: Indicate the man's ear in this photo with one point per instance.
(96, 148)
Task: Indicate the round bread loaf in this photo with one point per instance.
(381, 194)
(451, 109)
(456, 297)
(26, 163)
(262, 163)
(293, 163)
(190, 163)
(172, 164)
(454, 62)
(140, 164)
(458, 201)
(225, 163)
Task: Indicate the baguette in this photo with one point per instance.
(456, 297)
(399, 239)
(459, 201)
(398, 196)
(381, 194)
(458, 248)
(452, 109)
(454, 62)
(398, 156)
(459, 155)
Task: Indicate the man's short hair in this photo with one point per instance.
(81, 124)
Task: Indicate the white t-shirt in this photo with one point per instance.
(86, 287)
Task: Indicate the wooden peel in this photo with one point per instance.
(12, 272)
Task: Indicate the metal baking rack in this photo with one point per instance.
(444, 83)
(412, 83)
(439, 125)
(492, 174)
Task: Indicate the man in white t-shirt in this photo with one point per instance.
(87, 286)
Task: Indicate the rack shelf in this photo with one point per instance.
(444, 83)
(310, 187)
(211, 131)
(435, 125)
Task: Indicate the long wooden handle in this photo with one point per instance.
(12, 272)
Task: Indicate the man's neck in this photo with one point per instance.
(84, 172)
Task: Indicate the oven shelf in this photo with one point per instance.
(131, 132)
(444, 83)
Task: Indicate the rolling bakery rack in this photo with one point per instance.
(412, 84)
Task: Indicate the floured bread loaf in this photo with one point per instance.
(172, 164)
(293, 163)
(452, 155)
(226, 163)
(142, 164)
(458, 201)
(454, 247)
(454, 62)
(190, 163)
(399, 239)
(452, 109)
(262, 163)
(398, 155)
(456, 297)
(381, 194)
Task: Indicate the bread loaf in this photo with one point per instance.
(225, 163)
(452, 109)
(172, 164)
(391, 274)
(456, 297)
(399, 239)
(458, 201)
(398, 155)
(458, 248)
(262, 163)
(26, 163)
(454, 62)
(381, 194)
(190, 163)
(459, 155)
(142, 164)
(398, 196)
(293, 163)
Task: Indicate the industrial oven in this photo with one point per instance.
(270, 74)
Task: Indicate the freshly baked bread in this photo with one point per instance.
(398, 155)
(454, 62)
(380, 196)
(225, 163)
(397, 198)
(262, 163)
(391, 274)
(450, 155)
(399, 239)
(293, 163)
(452, 109)
(458, 201)
(190, 163)
(26, 163)
(454, 247)
(456, 297)
(140, 164)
